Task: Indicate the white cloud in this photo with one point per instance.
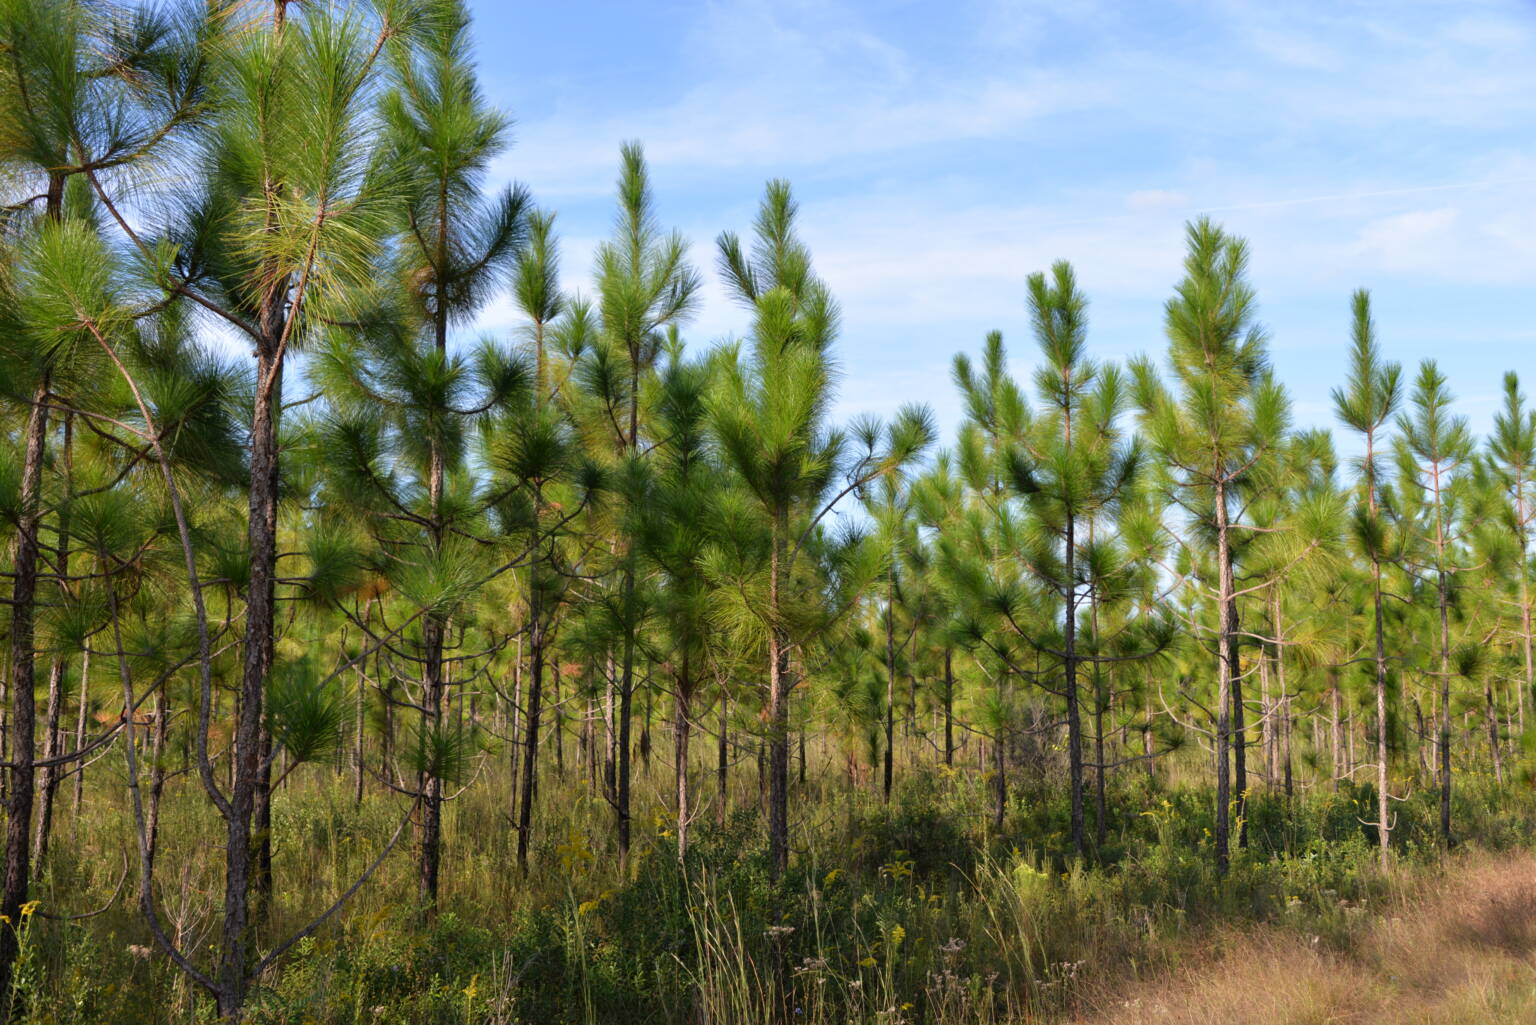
(1350, 142)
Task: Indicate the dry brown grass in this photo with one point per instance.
(1460, 950)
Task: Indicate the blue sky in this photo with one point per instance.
(943, 151)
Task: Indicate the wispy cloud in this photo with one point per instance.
(942, 155)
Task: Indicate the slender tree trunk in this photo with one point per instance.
(890, 683)
(513, 716)
(778, 701)
(52, 748)
(1267, 735)
(157, 773)
(680, 734)
(1445, 711)
(1285, 744)
(800, 741)
(261, 815)
(1335, 729)
(589, 743)
(1383, 728)
(429, 782)
(1074, 714)
(260, 625)
(949, 708)
(360, 717)
(19, 789)
(1148, 751)
(1101, 805)
(1239, 719)
(999, 782)
(1523, 516)
(626, 703)
(52, 735)
(1226, 670)
(82, 711)
(559, 709)
(610, 745)
(722, 764)
(535, 688)
(1493, 736)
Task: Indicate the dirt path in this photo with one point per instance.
(1461, 953)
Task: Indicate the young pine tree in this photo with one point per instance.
(1366, 405)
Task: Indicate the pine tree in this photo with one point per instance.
(1227, 413)
(1433, 449)
(1512, 448)
(455, 248)
(1366, 405)
(646, 288)
(769, 416)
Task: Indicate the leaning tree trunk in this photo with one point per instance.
(52, 747)
(82, 710)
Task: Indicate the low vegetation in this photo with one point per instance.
(358, 668)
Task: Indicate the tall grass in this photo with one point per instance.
(912, 912)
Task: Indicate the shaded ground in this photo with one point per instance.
(1462, 952)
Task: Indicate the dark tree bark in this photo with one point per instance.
(949, 708)
(23, 726)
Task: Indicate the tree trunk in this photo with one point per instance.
(778, 702)
(559, 721)
(19, 789)
(722, 764)
(429, 781)
(82, 711)
(626, 704)
(680, 727)
(260, 622)
(514, 715)
(52, 735)
(1226, 670)
(1239, 716)
(535, 695)
(157, 773)
(1069, 673)
(949, 708)
(1493, 737)
(52, 748)
(1335, 729)
(361, 715)
(890, 684)
(1445, 711)
(1101, 805)
(999, 782)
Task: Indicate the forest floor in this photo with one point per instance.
(1459, 951)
